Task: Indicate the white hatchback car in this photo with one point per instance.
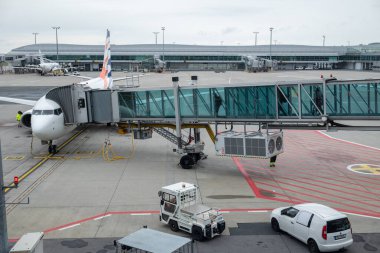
(320, 227)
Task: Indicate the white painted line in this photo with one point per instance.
(9, 124)
(140, 213)
(361, 215)
(224, 211)
(101, 217)
(258, 211)
(69, 227)
(351, 142)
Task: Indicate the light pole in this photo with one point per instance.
(255, 37)
(56, 37)
(221, 42)
(155, 34)
(163, 43)
(324, 37)
(270, 43)
(35, 38)
(275, 42)
(3, 214)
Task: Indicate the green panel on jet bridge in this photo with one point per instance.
(343, 99)
(245, 102)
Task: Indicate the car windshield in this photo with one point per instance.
(338, 225)
(290, 211)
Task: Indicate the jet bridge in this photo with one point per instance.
(81, 105)
(312, 104)
(311, 101)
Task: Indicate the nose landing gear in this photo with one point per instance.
(52, 148)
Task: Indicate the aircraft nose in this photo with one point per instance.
(43, 128)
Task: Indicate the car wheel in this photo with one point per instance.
(173, 225)
(275, 225)
(313, 246)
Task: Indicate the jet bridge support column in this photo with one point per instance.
(177, 112)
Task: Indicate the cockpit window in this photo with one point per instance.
(37, 112)
(58, 111)
(47, 112)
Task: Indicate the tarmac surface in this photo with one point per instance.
(81, 193)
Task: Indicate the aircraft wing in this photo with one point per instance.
(83, 77)
(36, 68)
(18, 101)
(127, 77)
(113, 79)
(70, 68)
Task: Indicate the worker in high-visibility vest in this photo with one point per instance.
(18, 118)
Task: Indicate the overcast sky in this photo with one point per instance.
(201, 22)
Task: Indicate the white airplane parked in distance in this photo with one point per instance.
(46, 67)
(46, 119)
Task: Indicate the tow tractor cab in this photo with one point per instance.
(179, 209)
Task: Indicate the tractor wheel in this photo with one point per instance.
(173, 225)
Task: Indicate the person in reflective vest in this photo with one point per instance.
(18, 118)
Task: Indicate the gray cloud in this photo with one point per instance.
(229, 30)
(188, 22)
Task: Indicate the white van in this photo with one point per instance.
(320, 227)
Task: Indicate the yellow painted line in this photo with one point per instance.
(14, 158)
(36, 166)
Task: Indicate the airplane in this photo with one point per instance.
(46, 118)
(159, 65)
(255, 63)
(46, 66)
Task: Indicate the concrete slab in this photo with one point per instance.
(82, 187)
(223, 244)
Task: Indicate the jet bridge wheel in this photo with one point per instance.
(186, 162)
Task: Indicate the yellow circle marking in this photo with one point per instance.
(369, 169)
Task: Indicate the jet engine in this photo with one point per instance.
(26, 119)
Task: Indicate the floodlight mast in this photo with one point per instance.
(155, 34)
(163, 43)
(255, 37)
(56, 37)
(35, 38)
(270, 43)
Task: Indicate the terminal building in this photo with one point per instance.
(197, 57)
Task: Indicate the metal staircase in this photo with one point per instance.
(169, 136)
